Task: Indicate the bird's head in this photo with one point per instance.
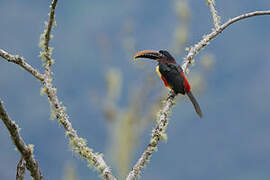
(160, 56)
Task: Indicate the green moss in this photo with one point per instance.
(163, 136)
(53, 112)
(31, 148)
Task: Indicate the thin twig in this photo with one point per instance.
(21, 62)
(46, 36)
(26, 151)
(207, 38)
(159, 130)
(216, 18)
(47, 52)
(50, 25)
(44, 44)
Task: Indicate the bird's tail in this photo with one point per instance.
(195, 104)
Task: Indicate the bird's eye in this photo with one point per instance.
(161, 52)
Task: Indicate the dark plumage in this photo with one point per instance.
(171, 74)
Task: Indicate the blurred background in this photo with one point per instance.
(112, 101)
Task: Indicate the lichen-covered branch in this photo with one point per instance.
(47, 51)
(207, 38)
(244, 16)
(58, 110)
(216, 18)
(20, 169)
(21, 62)
(162, 121)
(77, 144)
(157, 135)
(26, 151)
(50, 25)
(46, 36)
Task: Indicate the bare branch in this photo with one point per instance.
(159, 131)
(207, 38)
(26, 151)
(20, 61)
(216, 18)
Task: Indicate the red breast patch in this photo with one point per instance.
(165, 82)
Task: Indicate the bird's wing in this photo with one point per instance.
(172, 74)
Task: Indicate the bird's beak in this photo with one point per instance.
(155, 55)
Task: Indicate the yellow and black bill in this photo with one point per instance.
(155, 55)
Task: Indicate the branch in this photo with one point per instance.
(78, 144)
(159, 131)
(45, 39)
(216, 18)
(26, 151)
(207, 38)
(47, 51)
(50, 25)
(21, 62)
(20, 169)
(157, 135)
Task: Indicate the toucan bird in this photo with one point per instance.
(171, 74)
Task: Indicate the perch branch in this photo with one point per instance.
(159, 130)
(207, 38)
(216, 18)
(26, 151)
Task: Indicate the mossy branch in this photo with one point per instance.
(193, 50)
(26, 151)
(216, 18)
(157, 135)
(77, 144)
(20, 169)
(46, 36)
(21, 62)
(58, 110)
(162, 121)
